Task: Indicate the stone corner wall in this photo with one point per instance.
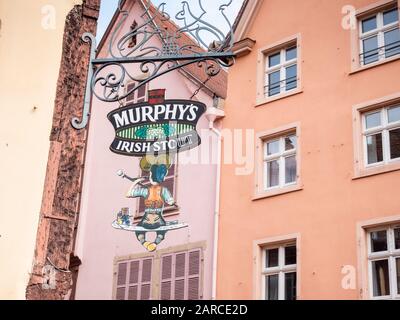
(53, 275)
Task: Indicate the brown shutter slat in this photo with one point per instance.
(166, 274)
(141, 93)
(194, 275)
(133, 293)
(166, 267)
(180, 272)
(145, 292)
(194, 288)
(120, 294)
(180, 265)
(122, 269)
(134, 272)
(131, 97)
(179, 289)
(146, 270)
(194, 263)
(166, 290)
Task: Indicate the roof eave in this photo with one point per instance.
(245, 18)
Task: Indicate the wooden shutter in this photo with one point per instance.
(166, 277)
(194, 275)
(134, 280)
(121, 281)
(180, 276)
(137, 96)
(142, 93)
(145, 289)
(130, 98)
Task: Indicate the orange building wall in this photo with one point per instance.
(326, 212)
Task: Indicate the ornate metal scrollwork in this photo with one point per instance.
(182, 45)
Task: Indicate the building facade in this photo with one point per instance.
(31, 48)
(114, 264)
(319, 216)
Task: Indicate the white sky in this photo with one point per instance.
(213, 16)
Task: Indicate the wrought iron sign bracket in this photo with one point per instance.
(135, 58)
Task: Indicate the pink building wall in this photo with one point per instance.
(332, 203)
(98, 244)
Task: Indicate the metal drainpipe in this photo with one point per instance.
(216, 212)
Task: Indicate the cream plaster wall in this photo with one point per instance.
(31, 34)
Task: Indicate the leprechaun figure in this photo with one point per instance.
(155, 197)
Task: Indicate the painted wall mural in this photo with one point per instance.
(155, 133)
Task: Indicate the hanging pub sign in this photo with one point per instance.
(153, 131)
(161, 128)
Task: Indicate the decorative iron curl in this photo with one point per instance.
(112, 85)
(75, 122)
(194, 25)
(107, 77)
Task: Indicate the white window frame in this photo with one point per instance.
(280, 270)
(384, 129)
(281, 158)
(282, 68)
(391, 255)
(379, 32)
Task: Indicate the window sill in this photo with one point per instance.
(263, 101)
(358, 69)
(365, 173)
(277, 192)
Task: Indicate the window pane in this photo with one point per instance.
(369, 24)
(272, 147)
(394, 144)
(394, 114)
(291, 77)
(374, 148)
(291, 53)
(380, 278)
(290, 286)
(290, 255)
(379, 241)
(397, 238)
(274, 81)
(271, 287)
(274, 60)
(370, 50)
(390, 16)
(398, 274)
(290, 143)
(392, 43)
(373, 120)
(272, 174)
(272, 258)
(290, 169)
